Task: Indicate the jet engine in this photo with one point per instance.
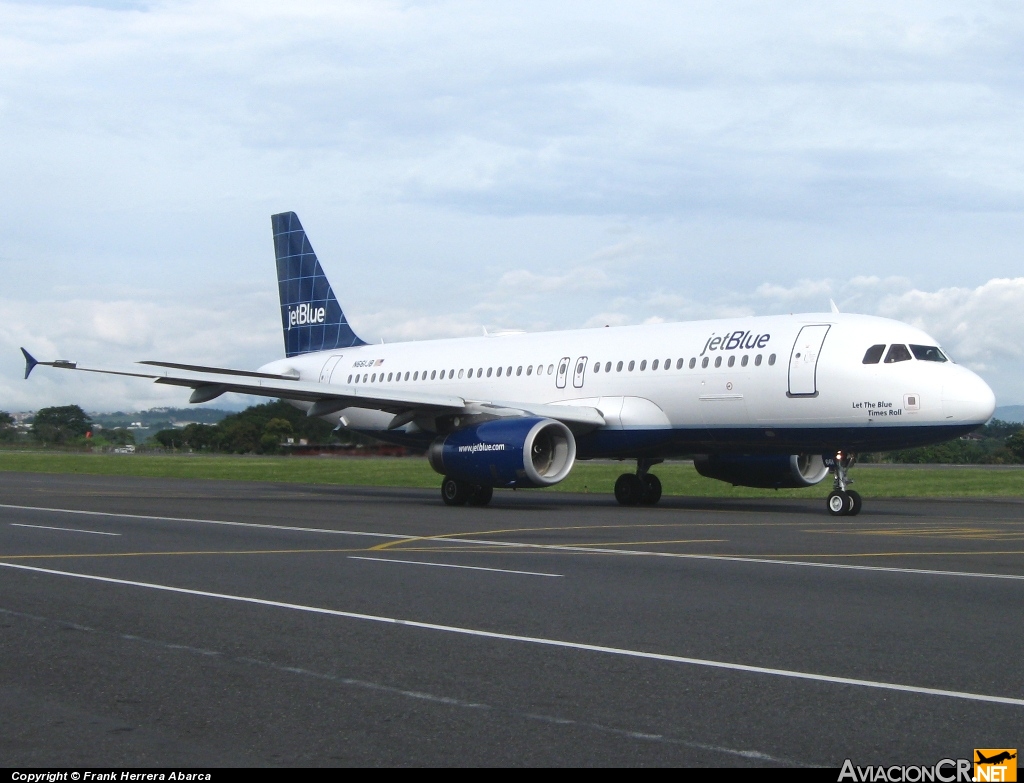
(510, 452)
(770, 471)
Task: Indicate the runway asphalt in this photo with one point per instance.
(172, 622)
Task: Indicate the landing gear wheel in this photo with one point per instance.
(855, 502)
(839, 504)
(628, 489)
(480, 496)
(454, 492)
(651, 490)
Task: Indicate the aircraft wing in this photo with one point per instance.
(210, 382)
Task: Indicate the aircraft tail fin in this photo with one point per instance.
(311, 317)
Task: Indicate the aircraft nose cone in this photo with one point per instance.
(968, 400)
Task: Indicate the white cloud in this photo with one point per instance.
(801, 291)
(607, 319)
(522, 282)
(982, 326)
(520, 164)
(240, 332)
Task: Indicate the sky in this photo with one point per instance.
(465, 165)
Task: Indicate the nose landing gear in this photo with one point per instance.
(640, 488)
(842, 502)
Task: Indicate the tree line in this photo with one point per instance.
(261, 429)
(266, 428)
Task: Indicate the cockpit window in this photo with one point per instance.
(874, 354)
(897, 353)
(928, 353)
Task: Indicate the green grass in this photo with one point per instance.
(677, 478)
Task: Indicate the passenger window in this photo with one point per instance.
(653, 366)
(757, 360)
(597, 367)
(416, 375)
(374, 378)
(732, 360)
(705, 362)
(618, 367)
(607, 366)
(529, 370)
(519, 371)
(771, 360)
(693, 363)
(390, 376)
(897, 353)
(743, 361)
(365, 376)
(668, 364)
(499, 372)
(489, 371)
(928, 353)
(508, 371)
(631, 366)
(433, 374)
(460, 374)
(874, 354)
(718, 361)
(643, 365)
(551, 369)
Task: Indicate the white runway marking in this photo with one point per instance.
(203, 521)
(450, 565)
(65, 529)
(548, 547)
(738, 667)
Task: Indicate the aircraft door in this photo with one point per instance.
(581, 370)
(803, 362)
(563, 370)
(339, 371)
(329, 365)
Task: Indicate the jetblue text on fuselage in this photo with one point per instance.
(732, 341)
(306, 314)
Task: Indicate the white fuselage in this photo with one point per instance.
(778, 383)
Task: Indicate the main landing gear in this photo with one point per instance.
(640, 488)
(455, 492)
(842, 502)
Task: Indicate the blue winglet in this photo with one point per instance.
(30, 362)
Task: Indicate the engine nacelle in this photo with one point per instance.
(512, 452)
(769, 471)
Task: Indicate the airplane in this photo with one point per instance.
(996, 759)
(773, 401)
